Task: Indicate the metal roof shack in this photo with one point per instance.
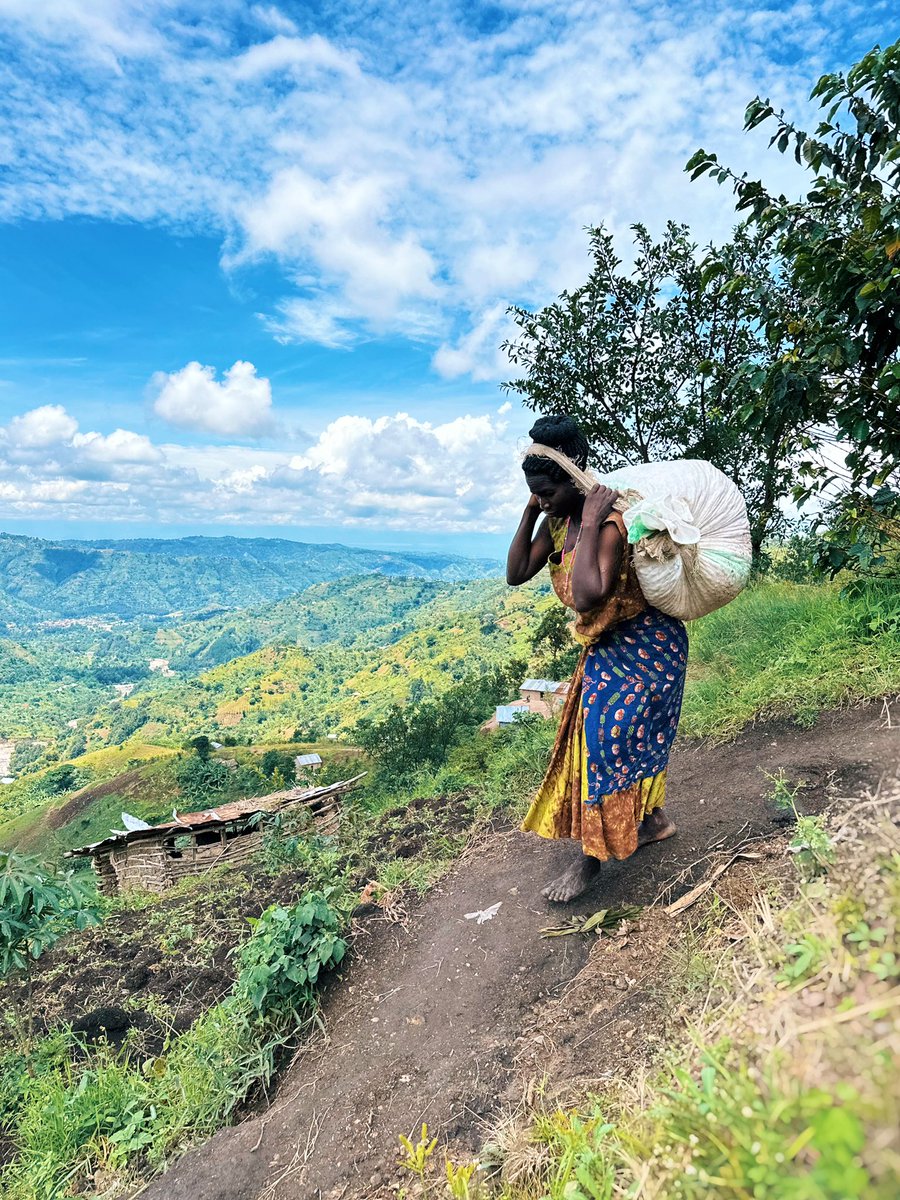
(158, 856)
(544, 686)
(507, 713)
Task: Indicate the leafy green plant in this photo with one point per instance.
(811, 843)
(200, 778)
(290, 948)
(416, 1156)
(812, 846)
(782, 795)
(462, 1183)
(274, 761)
(877, 957)
(37, 906)
(728, 1134)
(804, 958)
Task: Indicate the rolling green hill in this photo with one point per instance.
(350, 650)
(41, 580)
(66, 673)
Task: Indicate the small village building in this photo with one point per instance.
(158, 856)
(542, 697)
(304, 764)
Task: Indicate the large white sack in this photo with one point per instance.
(688, 525)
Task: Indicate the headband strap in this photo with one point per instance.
(583, 480)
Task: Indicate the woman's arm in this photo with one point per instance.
(598, 562)
(528, 552)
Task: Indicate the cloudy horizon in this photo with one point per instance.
(257, 267)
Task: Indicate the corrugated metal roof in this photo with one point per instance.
(221, 814)
(541, 685)
(308, 760)
(507, 713)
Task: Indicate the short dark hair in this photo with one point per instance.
(561, 433)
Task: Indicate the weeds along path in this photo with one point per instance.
(427, 1023)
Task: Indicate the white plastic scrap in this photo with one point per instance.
(485, 914)
(133, 823)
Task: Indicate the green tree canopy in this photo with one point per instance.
(840, 243)
(655, 360)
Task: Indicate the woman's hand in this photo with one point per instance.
(598, 504)
(533, 501)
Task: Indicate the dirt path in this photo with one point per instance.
(424, 1025)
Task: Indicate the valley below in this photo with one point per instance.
(525, 1040)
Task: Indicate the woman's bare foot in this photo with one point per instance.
(655, 827)
(574, 882)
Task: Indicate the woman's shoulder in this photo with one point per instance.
(615, 518)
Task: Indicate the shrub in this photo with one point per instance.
(37, 906)
(277, 760)
(280, 965)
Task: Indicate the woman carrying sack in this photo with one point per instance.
(606, 782)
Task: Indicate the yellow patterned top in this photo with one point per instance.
(626, 601)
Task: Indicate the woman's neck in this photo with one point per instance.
(574, 514)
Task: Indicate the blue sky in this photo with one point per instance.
(255, 258)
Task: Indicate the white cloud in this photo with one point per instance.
(457, 475)
(48, 425)
(241, 405)
(283, 53)
(120, 446)
(387, 472)
(323, 320)
(339, 226)
(243, 480)
(271, 17)
(477, 352)
(414, 167)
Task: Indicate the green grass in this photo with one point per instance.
(789, 649)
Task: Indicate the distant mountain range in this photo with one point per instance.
(46, 580)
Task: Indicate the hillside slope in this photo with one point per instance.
(52, 674)
(390, 642)
(445, 1021)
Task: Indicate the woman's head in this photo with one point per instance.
(546, 479)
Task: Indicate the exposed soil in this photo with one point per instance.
(161, 967)
(443, 1020)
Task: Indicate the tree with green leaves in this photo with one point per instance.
(201, 745)
(840, 244)
(653, 360)
(411, 736)
(273, 761)
(37, 906)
